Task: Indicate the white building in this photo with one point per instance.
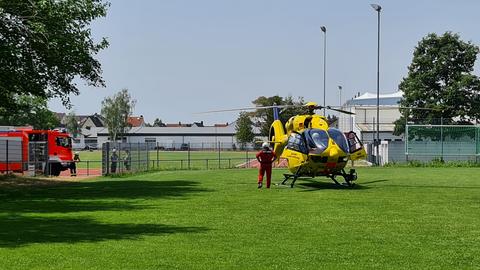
(363, 122)
(173, 137)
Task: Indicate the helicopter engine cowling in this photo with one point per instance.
(277, 137)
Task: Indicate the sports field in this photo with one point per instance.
(178, 159)
(396, 218)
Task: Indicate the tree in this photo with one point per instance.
(158, 123)
(332, 119)
(440, 79)
(243, 128)
(30, 111)
(44, 46)
(116, 110)
(72, 124)
(265, 116)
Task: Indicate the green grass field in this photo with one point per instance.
(395, 218)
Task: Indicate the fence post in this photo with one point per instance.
(34, 158)
(219, 155)
(246, 156)
(148, 156)
(158, 149)
(441, 136)
(189, 155)
(6, 154)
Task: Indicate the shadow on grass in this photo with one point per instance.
(312, 185)
(374, 181)
(123, 189)
(25, 205)
(17, 230)
(111, 195)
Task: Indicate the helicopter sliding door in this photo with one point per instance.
(296, 150)
(357, 151)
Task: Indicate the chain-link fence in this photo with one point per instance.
(133, 157)
(442, 142)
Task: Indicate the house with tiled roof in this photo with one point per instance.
(136, 121)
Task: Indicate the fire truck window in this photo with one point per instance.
(297, 143)
(37, 137)
(339, 138)
(64, 142)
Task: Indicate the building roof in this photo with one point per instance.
(371, 99)
(180, 131)
(136, 121)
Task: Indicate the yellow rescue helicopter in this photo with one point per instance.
(311, 147)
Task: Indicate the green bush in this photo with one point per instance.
(435, 163)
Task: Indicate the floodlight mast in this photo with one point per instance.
(324, 30)
(378, 8)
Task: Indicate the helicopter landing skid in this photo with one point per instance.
(349, 177)
(288, 176)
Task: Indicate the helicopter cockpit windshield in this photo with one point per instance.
(317, 140)
(339, 138)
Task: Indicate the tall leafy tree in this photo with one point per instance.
(244, 129)
(440, 78)
(72, 124)
(30, 111)
(265, 116)
(44, 45)
(116, 110)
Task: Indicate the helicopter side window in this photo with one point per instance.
(353, 142)
(339, 138)
(297, 143)
(317, 140)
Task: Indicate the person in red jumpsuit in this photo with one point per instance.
(266, 157)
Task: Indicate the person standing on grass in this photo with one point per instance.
(114, 159)
(73, 165)
(126, 160)
(265, 157)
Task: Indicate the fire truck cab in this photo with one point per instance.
(50, 151)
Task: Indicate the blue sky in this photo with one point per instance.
(181, 57)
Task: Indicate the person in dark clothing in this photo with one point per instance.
(114, 159)
(126, 160)
(73, 165)
(265, 157)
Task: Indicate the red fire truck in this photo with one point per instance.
(47, 150)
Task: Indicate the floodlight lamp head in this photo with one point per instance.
(377, 8)
(323, 28)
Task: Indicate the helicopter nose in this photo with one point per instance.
(334, 151)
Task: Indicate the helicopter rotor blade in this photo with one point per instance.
(421, 108)
(249, 109)
(339, 110)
